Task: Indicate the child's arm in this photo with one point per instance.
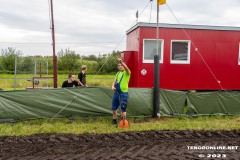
(124, 65)
(113, 85)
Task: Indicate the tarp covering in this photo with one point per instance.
(47, 103)
(212, 103)
(96, 101)
(172, 102)
(91, 101)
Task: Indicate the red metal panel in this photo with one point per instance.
(218, 48)
(131, 59)
(133, 41)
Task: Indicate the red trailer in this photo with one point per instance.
(181, 65)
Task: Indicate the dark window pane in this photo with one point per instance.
(180, 51)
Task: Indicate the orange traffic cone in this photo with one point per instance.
(124, 123)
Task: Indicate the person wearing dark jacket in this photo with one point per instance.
(70, 82)
(82, 76)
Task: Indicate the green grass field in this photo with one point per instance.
(102, 125)
(23, 81)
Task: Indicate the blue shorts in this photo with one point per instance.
(118, 99)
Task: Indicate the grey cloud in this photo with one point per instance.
(102, 20)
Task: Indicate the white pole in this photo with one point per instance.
(35, 68)
(15, 72)
(158, 42)
(157, 27)
(47, 74)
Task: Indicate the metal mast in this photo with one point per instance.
(53, 45)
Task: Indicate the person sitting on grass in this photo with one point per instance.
(120, 88)
(70, 82)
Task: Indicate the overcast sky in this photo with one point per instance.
(97, 26)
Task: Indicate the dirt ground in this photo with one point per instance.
(155, 145)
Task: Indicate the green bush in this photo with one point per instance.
(68, 62)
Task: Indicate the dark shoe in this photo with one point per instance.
(114, 121)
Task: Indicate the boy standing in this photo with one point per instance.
(82, 76)
(120, 88)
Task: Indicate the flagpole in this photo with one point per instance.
(157, 27)
(156, 73)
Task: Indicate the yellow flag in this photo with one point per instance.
(161, 2)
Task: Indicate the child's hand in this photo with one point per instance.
(113, 88)
(119, 60)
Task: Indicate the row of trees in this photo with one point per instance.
(68, 61)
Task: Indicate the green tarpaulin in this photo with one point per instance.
(172, 102)
(96, 101)
(213, 103)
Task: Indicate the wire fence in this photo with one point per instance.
(44, 83)
(31, 72)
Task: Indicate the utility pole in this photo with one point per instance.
(53, 45)
(156, 74)
(156, 96)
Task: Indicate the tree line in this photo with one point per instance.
(68, 61)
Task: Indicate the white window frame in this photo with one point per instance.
(152, 61)
(239, 54)
(181, 61)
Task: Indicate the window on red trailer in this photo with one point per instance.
(180, 52)
(150, 49)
